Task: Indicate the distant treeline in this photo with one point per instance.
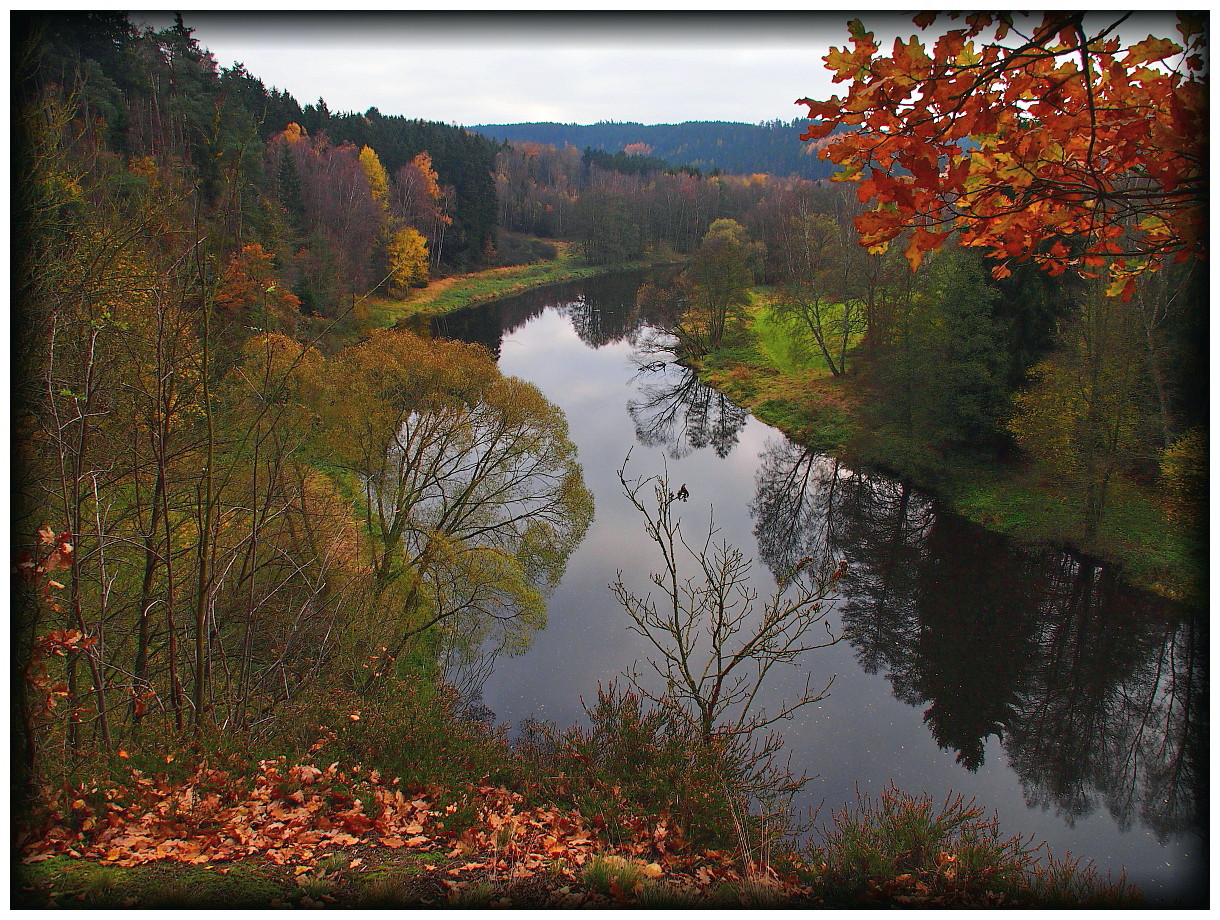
(772, 147)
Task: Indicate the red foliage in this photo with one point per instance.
(1058, 145)
(250, 286)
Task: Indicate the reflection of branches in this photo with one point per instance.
(682, 414)
(1096, 691)
(1115, 715)
(884, 524)
(605, 312)
(716, 648)
(794, 492)
(466, 668)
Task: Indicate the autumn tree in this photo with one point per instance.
(720, 274)
(335, 217)
(1058, 141)
(472, 496)
(379, 181)
(407, 258)
(418, 200)
(1081, 418)
(251, 293)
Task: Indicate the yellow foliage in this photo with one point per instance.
(144, 167)
(379, 180)
(408, 258)
(1184, 477)
(293, 133)
(1044, 417)
(276, 363)
(423, 162)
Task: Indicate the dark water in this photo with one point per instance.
(1074, 707)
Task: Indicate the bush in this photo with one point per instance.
(411, 729)
(902, 849)
(639, 763)
(515, 249)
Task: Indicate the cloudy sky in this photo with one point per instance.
(481, 68)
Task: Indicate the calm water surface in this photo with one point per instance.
(1072, 706)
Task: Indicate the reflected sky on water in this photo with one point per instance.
(1070, 704)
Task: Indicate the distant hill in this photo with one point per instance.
(731, 147)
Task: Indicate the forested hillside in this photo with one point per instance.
(217, 496)
(709, 146)
(259, 524)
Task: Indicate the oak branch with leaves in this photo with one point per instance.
(1056, 142)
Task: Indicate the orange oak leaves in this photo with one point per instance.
(1054, 141)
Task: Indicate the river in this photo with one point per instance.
(1072, 706)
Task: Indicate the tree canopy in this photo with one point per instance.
(1064, 143)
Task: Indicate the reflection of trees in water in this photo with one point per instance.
(467, 661)
(605, 311)
(794, 490)
(1114, 714)
(1096, 691)
(480, 326)
(488, 324)
(880, 526)
(681, 414)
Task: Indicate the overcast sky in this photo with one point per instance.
(481, 68)
(492, 68)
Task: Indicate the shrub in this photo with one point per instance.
(638, 762)
(902, 849)
(514, 249)
(407, 728)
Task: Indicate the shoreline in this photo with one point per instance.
(820, 412)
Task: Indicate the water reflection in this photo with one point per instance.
(681, 414)
(601, 314)
(1097, 692)
(1038, 673)
(605, 314)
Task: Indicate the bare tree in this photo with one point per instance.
(716, 646)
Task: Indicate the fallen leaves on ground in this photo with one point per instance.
(295, 816)
(292, 815)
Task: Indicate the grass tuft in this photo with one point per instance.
(903, 849)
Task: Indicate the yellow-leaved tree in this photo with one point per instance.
(379, 179)
(473, 498)
(407, 252)
(1079, 419)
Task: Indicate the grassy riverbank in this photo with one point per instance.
(797, 394)
(445, 295)
(566, 824)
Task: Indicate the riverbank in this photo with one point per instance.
(456, 292)
(816, 409)
(309, 835)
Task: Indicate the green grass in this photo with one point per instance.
(449, 294)
(601, 871)
(71, 883)
(790, 347)
(786, 387)
(1134, 534)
